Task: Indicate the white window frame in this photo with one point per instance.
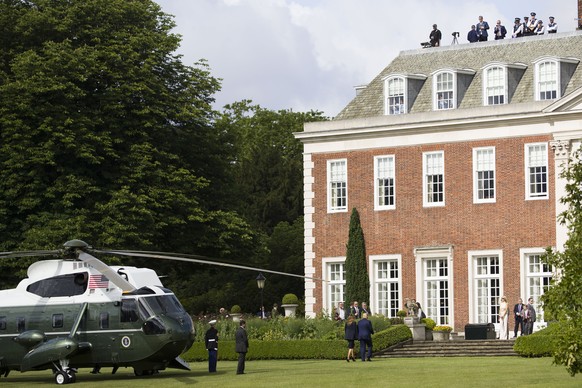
(541, 83)
(488, 88)
(423, 254)
(390, 109)
(331, 190)
(527, 151)
(452, 102)
(389, 174)
(478, 166)
(326, 263)
(526, 282)
(376, 283)
(426, 169)
(473, 278)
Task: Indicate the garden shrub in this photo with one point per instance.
(391, 336)
(297, 349)
(290, 299)
(539, 344)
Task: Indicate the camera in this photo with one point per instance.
(456, 33)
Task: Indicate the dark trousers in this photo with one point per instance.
(212, 358)
(363, 344)
(518, 325)
(240, 369)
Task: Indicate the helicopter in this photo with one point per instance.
(78, 312)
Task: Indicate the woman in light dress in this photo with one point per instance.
(503, 318)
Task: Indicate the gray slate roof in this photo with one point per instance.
(474, 56)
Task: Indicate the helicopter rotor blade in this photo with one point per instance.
(106, 270)
(199, 260)
(11, 255)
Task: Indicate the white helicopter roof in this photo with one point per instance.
(98, 287)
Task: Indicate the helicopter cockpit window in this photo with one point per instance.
(64, 285)
(57, 320)
(165, 304)
(2, 323)
(129, 311)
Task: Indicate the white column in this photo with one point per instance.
(309, 239)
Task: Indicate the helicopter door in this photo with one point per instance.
(129, 324)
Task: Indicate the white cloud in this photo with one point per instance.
(306, 55)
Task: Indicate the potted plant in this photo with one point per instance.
(235, 312)
(429, 324)
(402, 314)
(290, 303)
(441, 333)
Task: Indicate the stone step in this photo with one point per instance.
(456, 348)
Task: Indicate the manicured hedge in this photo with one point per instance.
(298, 349)
(539, 344)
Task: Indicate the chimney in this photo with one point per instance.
(580, 14)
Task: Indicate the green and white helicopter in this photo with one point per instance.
(78, 312)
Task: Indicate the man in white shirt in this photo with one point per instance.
(552, 26)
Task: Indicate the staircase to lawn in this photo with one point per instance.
(458, 347)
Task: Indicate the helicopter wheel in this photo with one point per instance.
(62, 377)
(147, 372)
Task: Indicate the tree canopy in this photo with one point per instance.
(105, 134)
(563, 300)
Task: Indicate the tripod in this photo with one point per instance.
(455, 41)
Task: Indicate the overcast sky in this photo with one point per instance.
(310, 54)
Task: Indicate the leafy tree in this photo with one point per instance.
(268, 165)
(105, 135)
(357, 278)
(563, 300)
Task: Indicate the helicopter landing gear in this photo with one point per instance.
(147, 372)
(64, 374)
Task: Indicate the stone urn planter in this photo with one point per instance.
(441, 333)
(290, 309)
(428, 335)
(236, 313)
(290, 303)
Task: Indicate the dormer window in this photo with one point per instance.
(547, 84)
(449, 87)
(444, 91)
(552, 76)
(500, 81)
(495, 89)
(400, 92)
(395, 96)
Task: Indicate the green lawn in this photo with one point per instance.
(432, 372)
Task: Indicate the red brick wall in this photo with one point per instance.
(509, 224)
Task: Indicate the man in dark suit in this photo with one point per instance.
(241, 346)
(365, 309)
(518, 315)
(355, 310)
(365, 331)
(531, 315)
